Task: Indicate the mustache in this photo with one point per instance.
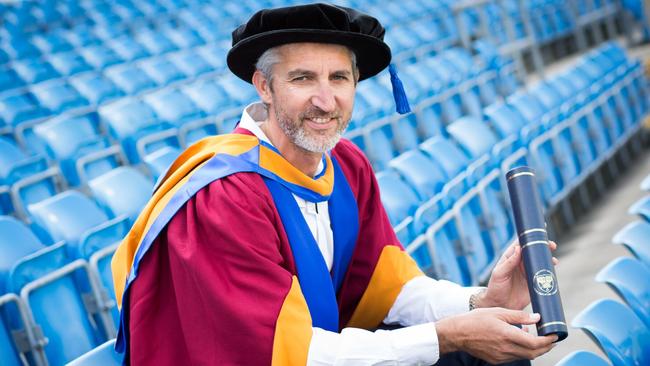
(316, 112)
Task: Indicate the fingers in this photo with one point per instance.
(518, 317)
(552, 245)
(555, 261)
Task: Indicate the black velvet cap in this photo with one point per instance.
(320, 23)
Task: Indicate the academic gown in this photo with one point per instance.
(219, 284)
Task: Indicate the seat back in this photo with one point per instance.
(398, 198)
(474, 136)
(582, 358)
(635, 237)
(629, 278)
(420, 172)
(16, 241)
(103, 355)
(617, 330)
(122, 191)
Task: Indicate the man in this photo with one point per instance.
(270, 245)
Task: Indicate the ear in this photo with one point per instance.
(262, 86)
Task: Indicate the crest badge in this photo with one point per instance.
(544, 283)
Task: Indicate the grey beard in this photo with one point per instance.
(301, 139)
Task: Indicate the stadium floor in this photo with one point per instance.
(588, 247)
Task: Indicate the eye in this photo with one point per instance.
(340, 77)
(300, 78)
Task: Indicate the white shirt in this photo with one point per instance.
(420, 303)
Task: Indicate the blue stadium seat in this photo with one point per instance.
(379, 146)
(208, 95)
(9, 79)
(617, 330)
(77, 220)
(641, 208)
(155, 42)
(215, 55)
(95, 88)
(77, 144)
(426, 178)
(505, 120)
(429, 120)
(635, 237)
(122, 191)
(447, 154)
(400, 202)
(183, 37)
(100, 56)
(103, 355)
(130, 78)
(58, 96)
(132, 122)
(237, 90)
(191, 63)
(161, 70)
(58, 293)
(645, 184)
(127, 48)
(629, 278)
(17, 241)
(406, 133)
(34, 70)
(19, 47)
(68, 63)
(15, 325)
(160, 160)
(81, 35)
(16, 108)
(473, 135)
(582, 358)
(50, 42)
(173, 106)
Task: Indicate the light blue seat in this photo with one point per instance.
(95, 88)
(400, 202)
(161, 70)
(34, 70)
(446, 154)
(208, 95)
(14, 325)
(191, 63)
(76, 142)
(617, 330)
(426, 178)
(122, 191)
(16, 242)
(473, 135)
(50, 42)
(20, 107)
(645, 184)
(58, 292)
(237, 90)
(100, 56)
(58, 96)
(629, 278)
(155, 42)
(183, 37)
(429, 121)
(68, 63)
(582, 358)
(77, 220)
(641, 208)
(127, 48)
(9, 79)
(635, 236)
(406, 133)
(80, 35)
(160, 160)
(173, 106)
(130, 78)
(379, 146)
(103, 355)
(505, 120)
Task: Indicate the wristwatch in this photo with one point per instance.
(474, 298)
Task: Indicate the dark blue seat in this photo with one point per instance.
(582, 358)
(628, 277)
(121, 191)
(161, 70)
(635, 238)
(103, 355)
(58, 96)
(617, 330)
(68, 63)
(95, 88)
(130, 78)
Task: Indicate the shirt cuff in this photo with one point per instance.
(456, 302)
(416, 345)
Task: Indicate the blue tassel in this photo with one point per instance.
(401, 102)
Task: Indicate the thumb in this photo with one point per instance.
(519, 317)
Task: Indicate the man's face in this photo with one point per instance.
(312, 94)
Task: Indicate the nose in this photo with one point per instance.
(324, 98)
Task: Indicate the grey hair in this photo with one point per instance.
(272, 56)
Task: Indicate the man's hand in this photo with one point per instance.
(507, 287)
(489, 335)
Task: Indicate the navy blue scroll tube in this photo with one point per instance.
(531, 229)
